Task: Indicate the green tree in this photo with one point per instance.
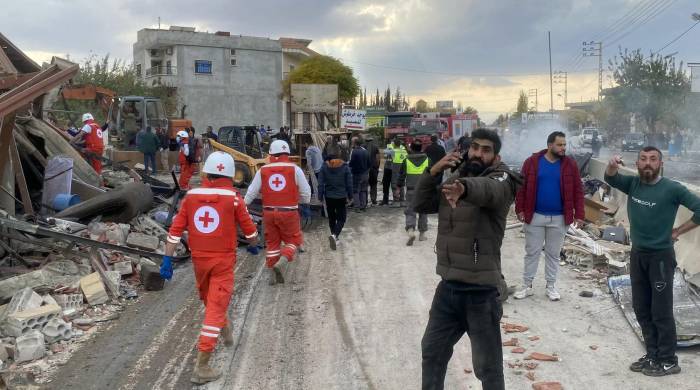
(421, 106)
(387, 99)
(652, 87)
(324, 70)
(521, 107)
(470, 110)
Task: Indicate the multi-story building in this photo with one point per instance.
(222, 79)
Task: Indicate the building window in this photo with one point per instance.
(202, 67)
(233, 52)
(233, 57)
(233, 62)
(138, 70)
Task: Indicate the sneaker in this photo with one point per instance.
(661, 368)
(642, 363)
(422, 237)
(524, 293)
(411, 236)
(552, 293)
(332, 241)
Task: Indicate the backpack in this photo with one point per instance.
(195, 155)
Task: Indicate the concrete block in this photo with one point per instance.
(113, 278)
(70, 303)
(93, 289)
(123, 267)
(20, 323)
(57, 330)
(23, 299)
(150, 277)
(29, 347)
(143, 241)
(48, 300)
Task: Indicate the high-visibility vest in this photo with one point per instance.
(416, 169)
(399, 153)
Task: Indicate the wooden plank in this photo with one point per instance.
(19, 176)
(6, 126)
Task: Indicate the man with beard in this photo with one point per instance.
(550, 200)
(652, 205)
(472, 207)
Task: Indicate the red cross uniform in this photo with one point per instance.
(186, 169)
(94, 144)
(211, 216)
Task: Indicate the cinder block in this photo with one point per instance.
(150, 277)
(20, 323)
(29, 347)
(93, 289)
(24, 299)
(70, 303)
(143, 241)
(57, 330)
(123, 267)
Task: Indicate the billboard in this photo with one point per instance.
(314, 98)
(444, 105)
(353, 119)
(694, 77)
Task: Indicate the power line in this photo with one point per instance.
(678, 37)
(646, 20)
(643, 12)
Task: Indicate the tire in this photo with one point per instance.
(119, 205)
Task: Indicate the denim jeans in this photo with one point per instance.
(149, 157)
(360, 184)
(456, 311)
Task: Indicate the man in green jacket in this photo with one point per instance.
(148, 145)
(472, 207)
(652, 205)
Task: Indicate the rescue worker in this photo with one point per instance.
(184, 158)
(282, 186)
(94, 144)
(393, 157)
(398, 156)
(411, 170)
(211, 216)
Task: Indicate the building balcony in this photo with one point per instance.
(161, 71)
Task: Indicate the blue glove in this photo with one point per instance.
(306, 211)
(166, 268)
(253, 249)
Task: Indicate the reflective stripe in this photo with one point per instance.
(207, 327)
(207, 334)
(280, 164)
(292, 246)
(416, 169)
(173, 239)
(212, 191)
(399, 153)
(252, 235)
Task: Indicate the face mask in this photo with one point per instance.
(178, 138)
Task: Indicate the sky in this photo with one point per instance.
(479, 53)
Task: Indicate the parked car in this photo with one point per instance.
(632, 142)
(587, 135)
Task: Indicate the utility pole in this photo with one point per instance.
(562, 78)
(595, 49)
(551, 87)
(533, 93)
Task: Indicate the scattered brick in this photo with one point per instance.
(518, 350)
(542, 357)
(513, 328)
(547, 386)
(531, 365)
(511, 343)
(533, 338)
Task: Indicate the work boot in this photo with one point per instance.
(279, 268)
(411, 236)
(642, 363)
(422, 237)
(227, 333)
(525, 292)
(203, 373)
(272, 277)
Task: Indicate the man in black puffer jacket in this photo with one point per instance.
(472, 206)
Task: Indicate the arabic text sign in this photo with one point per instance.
(353, 119)
(315, 98)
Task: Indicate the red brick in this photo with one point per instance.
(531, 365)
(518, 350)
(513, 328)
(542, 357)
(547, 386)
(533, 338)
(511, 343)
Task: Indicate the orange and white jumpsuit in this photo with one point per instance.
(186, 168)
(211, 215)
(94, 144)
(283, 187)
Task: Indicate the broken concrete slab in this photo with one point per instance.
(93, 289)
(9, 286)
(150, 277)
(112, 279)
(29, 347)
(20, 323)
(142, 241)
(56, 330)
(123, 267)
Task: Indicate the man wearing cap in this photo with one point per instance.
(211, 215)
(283, 187)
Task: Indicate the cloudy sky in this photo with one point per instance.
(480, 53)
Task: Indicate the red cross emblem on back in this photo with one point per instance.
(277, 182)
(206, 219)
(220, 167)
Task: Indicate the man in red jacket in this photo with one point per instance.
(549, 201)
(94, 144)
(211, 216)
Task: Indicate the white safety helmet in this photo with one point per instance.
(220, 163)
(183, 134)
(279, 146)
(87, 117)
